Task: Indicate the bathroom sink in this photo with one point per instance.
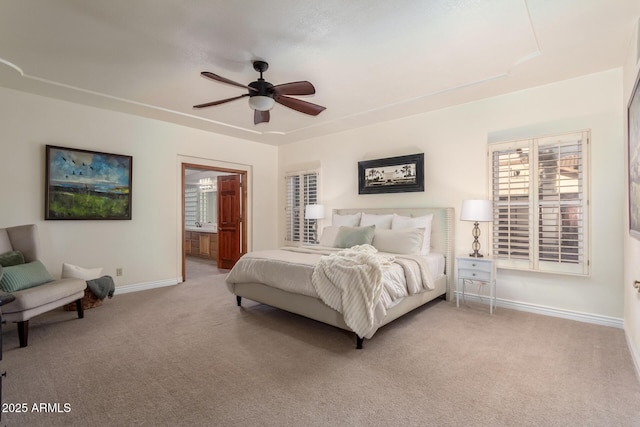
(206, 228)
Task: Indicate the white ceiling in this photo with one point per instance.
(369, 61)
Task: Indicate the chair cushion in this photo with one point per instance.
(5, 242)
(23, 276)
(10, 258)
(27, 299)
(23, 238)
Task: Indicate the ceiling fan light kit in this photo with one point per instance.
(263, 95)
(261, 103)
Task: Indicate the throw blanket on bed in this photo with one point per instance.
(292, 269)
(350, 282)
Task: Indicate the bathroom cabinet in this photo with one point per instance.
(203, 244)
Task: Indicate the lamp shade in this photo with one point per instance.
(261, 103)
(314, 212)
(477, 211)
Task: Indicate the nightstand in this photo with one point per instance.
(478, 270)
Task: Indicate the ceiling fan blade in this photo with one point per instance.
(220, 79)
(299, 105)
(294, 88)
(261, 117)
(222, 101)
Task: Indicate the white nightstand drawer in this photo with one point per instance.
(484, 276)
(467, 264)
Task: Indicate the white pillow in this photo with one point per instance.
(346, 220)
(328, 236)
(380, 221)
(402, 241)
(424, 222)
(76, 272)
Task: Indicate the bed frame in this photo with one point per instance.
(442, 241)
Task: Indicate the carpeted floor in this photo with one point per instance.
(186, 355)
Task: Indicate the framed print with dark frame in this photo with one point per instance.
(633, 123)
(400, 174)
(82, 184)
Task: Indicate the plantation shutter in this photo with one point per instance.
(562, 205)
(301, 190)
(539, 189)
(511, 204)
(310, 197)
(292, 208)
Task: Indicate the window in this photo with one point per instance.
(540, 205)
(190, 205)
(302, 190)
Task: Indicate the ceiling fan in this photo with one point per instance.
(263, 95)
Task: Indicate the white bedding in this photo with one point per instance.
(395, 281)
(291, 269)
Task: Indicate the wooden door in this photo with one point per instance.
(187, 242)
(229, 220)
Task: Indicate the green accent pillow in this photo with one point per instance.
(353, 236)
(23, 276)
(8, 259)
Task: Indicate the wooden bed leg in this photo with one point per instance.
(239, 301)
(359, 342)
(23, 333)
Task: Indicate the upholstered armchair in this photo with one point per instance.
(35, 290)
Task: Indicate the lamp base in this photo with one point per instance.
(475, 246)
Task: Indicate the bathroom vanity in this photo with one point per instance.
(201, 242)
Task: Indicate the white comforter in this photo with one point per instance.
(358, 282)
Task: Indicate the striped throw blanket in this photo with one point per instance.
(350, 282)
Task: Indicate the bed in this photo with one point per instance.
(296, 296)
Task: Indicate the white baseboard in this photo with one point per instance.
(597, 319)
(145, 286)
(635, 355)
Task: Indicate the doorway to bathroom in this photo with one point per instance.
(214, 206)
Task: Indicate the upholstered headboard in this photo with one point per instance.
(442, 231)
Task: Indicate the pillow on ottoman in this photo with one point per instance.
(76, 272)
(10, 258)
(23, 276)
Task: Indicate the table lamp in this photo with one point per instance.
(476, 211)
(314, 212)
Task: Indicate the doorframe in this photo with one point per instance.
(243, 209)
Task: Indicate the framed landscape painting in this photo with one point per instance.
(400, 174)
(81, 184)
(634, 161)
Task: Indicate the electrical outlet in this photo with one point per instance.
(119, 271)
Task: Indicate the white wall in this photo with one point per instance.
(454, 141)
(147, 247)
(631, 245)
